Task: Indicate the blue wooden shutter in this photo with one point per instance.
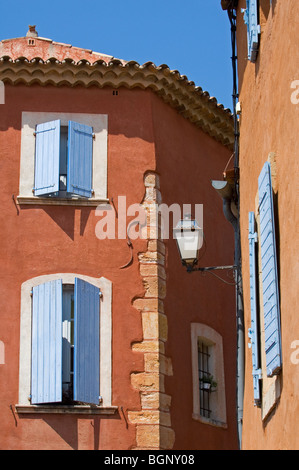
(87, 343)
(46, 364)
(80, 143)
(253, 28)
(269, 273)
(254, 328)
(47, 149)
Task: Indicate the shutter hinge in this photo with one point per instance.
(257, 373)
(100, 399)
(100, 294)
(93, 136)
(253, 236)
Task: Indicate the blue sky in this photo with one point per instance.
(191, 36)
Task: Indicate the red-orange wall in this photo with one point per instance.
(187, 161)
(144, 134)
(269, 124)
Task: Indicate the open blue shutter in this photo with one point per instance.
(47, 148)
(80, 143)
(253, 28)
(269, 273)
(254, 329)
(87, 343)
(46, 364)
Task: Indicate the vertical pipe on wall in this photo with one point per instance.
(238, 272)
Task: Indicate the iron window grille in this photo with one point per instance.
(203, 373)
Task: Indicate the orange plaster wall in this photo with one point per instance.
(43, 240)
(144, 134)
(187, 161)
(269, 123)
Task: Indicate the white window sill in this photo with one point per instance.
(66, 409)
(59, 201)
(212, 422)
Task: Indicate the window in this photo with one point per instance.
(65, 364)
(65, 347)
(209, 404)
(253, 28)
(63, 158)
(253, 331)
(207, 385)
(265, 330)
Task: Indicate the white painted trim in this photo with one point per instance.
(99, 123)
(2, 353)
(208, 335)
(105, 333)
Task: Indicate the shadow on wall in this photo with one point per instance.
(64, 217)
(68, 429)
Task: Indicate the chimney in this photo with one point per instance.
(31, 33)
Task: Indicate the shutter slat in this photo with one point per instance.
(269, 274)
(80, 144)
(254, 329)
(87, 343)
(46, 366)
(47, 149)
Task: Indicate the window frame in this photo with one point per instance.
(105, 287)
(99, 123)
(210, 337)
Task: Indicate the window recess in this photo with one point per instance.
(209, 403)
(206, 382)
(254, 330)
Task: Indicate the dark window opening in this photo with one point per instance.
(204, 376)
(63, 158)
(67, 343)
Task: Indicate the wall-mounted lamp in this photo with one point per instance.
(189, 238)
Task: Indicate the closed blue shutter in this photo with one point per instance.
(46, 364)
(47, 148)
(269, 273)
(254, 329)
(80, 143)
(87, 343)
(253, 28)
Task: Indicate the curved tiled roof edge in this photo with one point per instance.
(175, 89)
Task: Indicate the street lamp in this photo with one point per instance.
(189, 238)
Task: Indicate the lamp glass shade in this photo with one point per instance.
(189, 238)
